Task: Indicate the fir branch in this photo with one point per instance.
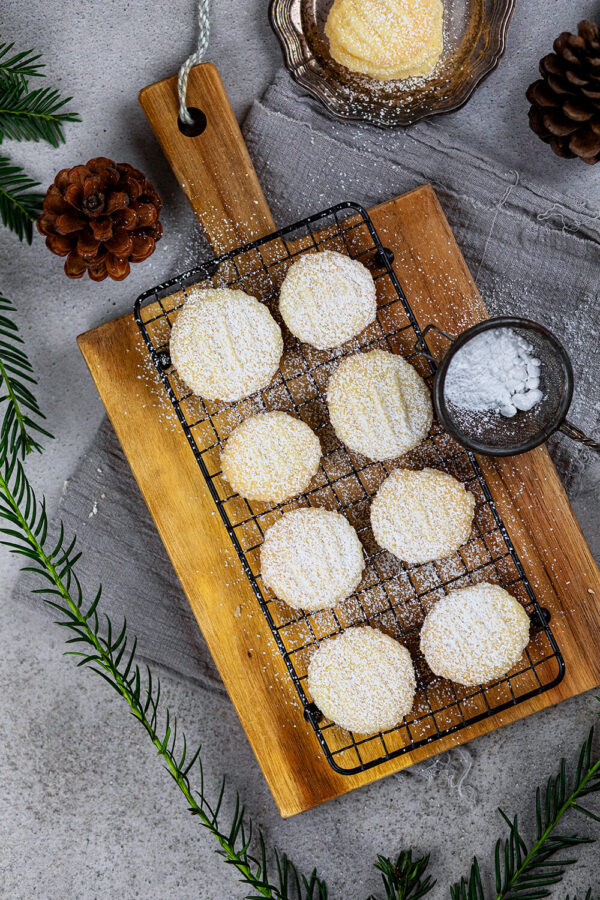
(21, 65)
(20, 425)
(111, 654)
(521, 874)
(404, 879)
(528, 874)
(33, 115)
(19, 204)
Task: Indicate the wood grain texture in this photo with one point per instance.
(527, 491)
(214, 169)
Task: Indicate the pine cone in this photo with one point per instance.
(565, 102)
(101, 216)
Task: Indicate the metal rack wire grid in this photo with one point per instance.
(392, 596)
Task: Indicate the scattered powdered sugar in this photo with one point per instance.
(497, 371)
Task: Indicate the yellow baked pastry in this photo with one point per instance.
(271, 457)
(312, 558)
(386, 39)
(420, 516)
(327, 298)
(225, 344)
(378, 404)
(475, 634)
(363, 680)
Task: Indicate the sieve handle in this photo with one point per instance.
(578, 435)
(421, 348)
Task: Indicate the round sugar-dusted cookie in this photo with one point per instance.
(224, 344)
(271, 457)
(420, 516)
(327, 298)
(363, 680)
(475, 634)
(386, 39)
(312, 558)
(378, 404)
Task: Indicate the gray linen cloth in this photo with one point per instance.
(531, 253)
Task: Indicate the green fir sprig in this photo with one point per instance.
(21, 424)
(20, 203)
(404, 879)
(110, 652)
(522, 873)
(37, 115)
(26, 115)
(528, 873)
(21, 65)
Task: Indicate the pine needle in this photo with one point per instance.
(21, 65)
(529, 873)
(20, 204)
(21, 425)
(33, 115)
(404, 879)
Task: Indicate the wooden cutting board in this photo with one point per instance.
(216, 174)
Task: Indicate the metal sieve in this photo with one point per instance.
(490, 433)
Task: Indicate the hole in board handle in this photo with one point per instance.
(197, 126)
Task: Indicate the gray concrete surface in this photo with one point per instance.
(86, 811)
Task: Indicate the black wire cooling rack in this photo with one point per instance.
(392, 596)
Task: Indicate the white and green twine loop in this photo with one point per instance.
(194, 59)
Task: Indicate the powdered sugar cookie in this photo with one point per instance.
(420, 516)
(475, 634)
(271, 457)
(312, 558)
(327, 298)
(386, 39)
(225, 345)
(363, 680)
(378, 404)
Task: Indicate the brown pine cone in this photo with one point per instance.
(565, 102)
(101, 216)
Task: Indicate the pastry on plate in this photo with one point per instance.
(420, 516)
(327, 298)
(378, 404)
(271, 457)
(363, 680)
(386, 39)
(475, 634)
(225, 344)
(312, 558)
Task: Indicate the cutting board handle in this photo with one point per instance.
(213, 168)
